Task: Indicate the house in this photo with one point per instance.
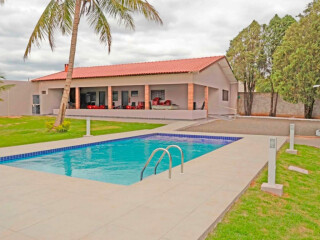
(177, 89)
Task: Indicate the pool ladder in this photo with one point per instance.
(165, 151)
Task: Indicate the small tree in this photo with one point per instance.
(273, 34)
(246, 58)
(297, 62)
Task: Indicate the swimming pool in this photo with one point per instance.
(117, 161)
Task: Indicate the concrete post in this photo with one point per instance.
(291, 150)
(147, 97)
(88, 128)
(110, 103)
(272, 161)
(271, 186)
(190, 96)
(77, 98)
(206, 99)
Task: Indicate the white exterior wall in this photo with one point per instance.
(181, 78)
(149, 114)
(199, 95)
(18, 100)
(50, 101)
(215, 78)
(178, 94)
(139, 98)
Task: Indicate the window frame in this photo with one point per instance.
(134, 93)
(161, 94)
(115, 93)
(225, 95)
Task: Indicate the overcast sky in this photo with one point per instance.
(192, 28)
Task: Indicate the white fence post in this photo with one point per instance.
(271, 185)
(88, 128)
(291, 150)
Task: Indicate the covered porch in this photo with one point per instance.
(169, 101)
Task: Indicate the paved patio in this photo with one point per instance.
(37, 205)
(259, 126)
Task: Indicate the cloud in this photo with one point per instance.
(191, 29)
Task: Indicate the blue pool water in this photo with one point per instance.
(118, 161)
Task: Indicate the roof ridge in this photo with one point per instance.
(48, 75)
(173, 60)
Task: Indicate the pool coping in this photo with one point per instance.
(21, 156)
(200, 219)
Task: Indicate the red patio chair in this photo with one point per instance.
(140, 105)
(167, 103)
(156, 101)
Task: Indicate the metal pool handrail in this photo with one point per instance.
(165, 151)
(167, 148)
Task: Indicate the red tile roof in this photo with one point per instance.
(133, 69)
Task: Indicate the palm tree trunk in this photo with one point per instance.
(66, 91)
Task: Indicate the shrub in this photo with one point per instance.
(49, 125)
(64, 127)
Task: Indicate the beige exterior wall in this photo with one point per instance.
(149, 114)
(178, 94)
(121, 81)
(49, 101)
(18, 99)
(216, 79)
(261, 107)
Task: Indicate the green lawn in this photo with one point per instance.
(26, 130)
(296, 215)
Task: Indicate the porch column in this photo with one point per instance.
(206, 98)
(77, 98)
(190, 96)
(147, 97)
(110, 105)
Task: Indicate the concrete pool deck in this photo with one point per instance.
(38, 205)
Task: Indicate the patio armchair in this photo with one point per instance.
(156, 101)
(140, 105)
(133, 106)
(195, 106)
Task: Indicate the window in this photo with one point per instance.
(35, 104)
(225, 95)
(91, 98)
(134, 93)
(158, 93)
(35, 99)
(115, 96)
(102, 98)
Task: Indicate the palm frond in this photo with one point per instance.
(117, 10)
(143, 7)
(99, 22)
(66, 17)
(46, 26)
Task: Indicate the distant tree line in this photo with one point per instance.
(281, 57)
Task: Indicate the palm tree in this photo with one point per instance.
(4, 87)
(65, 15)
